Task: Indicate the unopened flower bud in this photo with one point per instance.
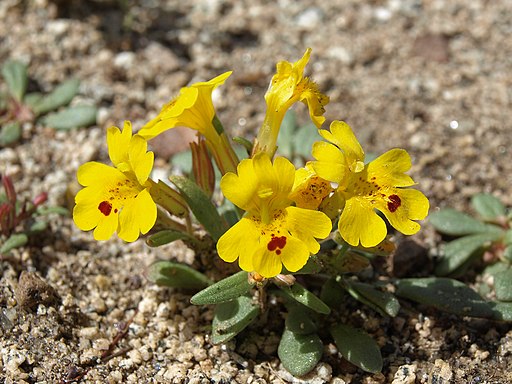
(40, 199)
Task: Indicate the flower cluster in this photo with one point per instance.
(284, 212)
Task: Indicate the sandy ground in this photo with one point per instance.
(430, 76)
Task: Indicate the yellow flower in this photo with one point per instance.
(272, 232)
(288, 86)
(378, 185)
(117, 198)
(193, 108)
(309, 190)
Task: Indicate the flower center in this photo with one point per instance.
(276, 243)
(117, 195)
(105, 207)
(394, 202)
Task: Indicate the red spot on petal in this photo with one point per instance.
(105, 207)
(276, 244)
(393, 203)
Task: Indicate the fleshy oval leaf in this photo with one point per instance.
(299, 353)
(72, 117)
(201, 206)
(455, 223)
(307, 298)
(176, 275)
(60, 96)
(503, 285)
(227, 289)
(445, 294)
(357, 347)
(488, 206)
(14, 241)
(15, 75)
(299, 321)
(167, 236)
(459, 251)
(10, 133)
(383, 302)
(231, 317)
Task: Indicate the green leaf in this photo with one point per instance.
(286, 134)
(448, 295)
(231, 317)
(60, 96)
(10, 133)
(72, 117)
(305, 297)
(508, 237)
(176, 275)
(299, 353)
(383, 302)
(495, 268)
(16, 76)
(227, 289)
(201, 206)
(246, 144)
(332, 293)
(501, 311)
(32, 99)
(183, 161)
(455, 223)
(299, 321)
(38, 226)
(357, 347)
(311, 267)
(460, 251)
(14, 241)
(49, 210)
(488, 206)
(168, 236)
(304, 138)
(503, 285)
(507, 253)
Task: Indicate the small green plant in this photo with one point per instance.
(303, 238)
(18, 107)
(487, 241)
(20, 219)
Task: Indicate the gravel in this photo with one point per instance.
(433, 77)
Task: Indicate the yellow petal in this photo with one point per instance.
(240, 241)
(193, 108)
(294, 256)
(308, 225)
(315, 100)
(118, 143)
(141, 162)
(359, 224)
(93, 172)
(137, 216)
(342, 136)
(106, 227)
(266, 263)
(85, 212)
(240, 189)
(157, 126)
(330, 163)
(403, 206)
(390, 167)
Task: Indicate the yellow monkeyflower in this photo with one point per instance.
(272, 232)
(378, 185)
(309, 190)
(117, 198)
(288, 86)
(193, 108)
